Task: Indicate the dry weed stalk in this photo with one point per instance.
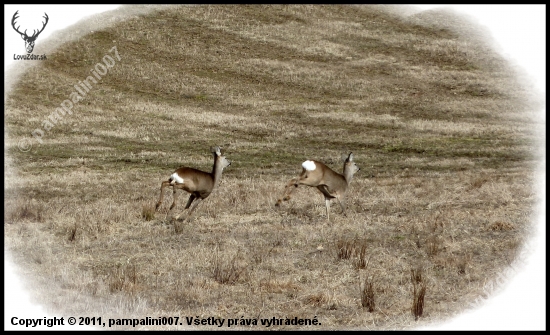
(317, 299)
(72, 233)
(25, 210)
(148, 212)
(123, 279)
(478, 182)
(361, 262)
(178, 227)
(367, 295)
(346, 248)
(433, 244)
(462, 263)
(227, 273)
(501, 226)
(419, 291)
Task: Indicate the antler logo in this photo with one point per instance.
(29, 40)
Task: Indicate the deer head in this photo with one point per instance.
(350, 168)
(219, 158)
(29, 40)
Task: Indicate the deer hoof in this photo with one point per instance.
(174, 219)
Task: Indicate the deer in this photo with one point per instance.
(198, 183)
(331, 184)
(29, 40)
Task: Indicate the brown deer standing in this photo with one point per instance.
(332, 184)
(199, 183)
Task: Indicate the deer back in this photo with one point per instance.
(195, 180)
(315, 173)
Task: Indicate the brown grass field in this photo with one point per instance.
(440, 125)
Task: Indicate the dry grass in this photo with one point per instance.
(148, 212)
(438, 123)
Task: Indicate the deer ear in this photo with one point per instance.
(350, 157)
(215, 150)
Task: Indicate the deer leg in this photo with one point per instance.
(194, 206)
(175, 197)
(162, 186)
(327, 205)
(192, 209)
(190, 201)
(342, 204)
(328, 197)
(290, 187)
(176, 187)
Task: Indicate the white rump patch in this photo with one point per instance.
(309, 165)
(175, 178)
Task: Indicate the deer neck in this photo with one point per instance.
(216, 172)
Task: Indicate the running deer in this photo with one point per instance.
(332, 184)
(199, 183)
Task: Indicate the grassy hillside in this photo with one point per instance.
(440, 125)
